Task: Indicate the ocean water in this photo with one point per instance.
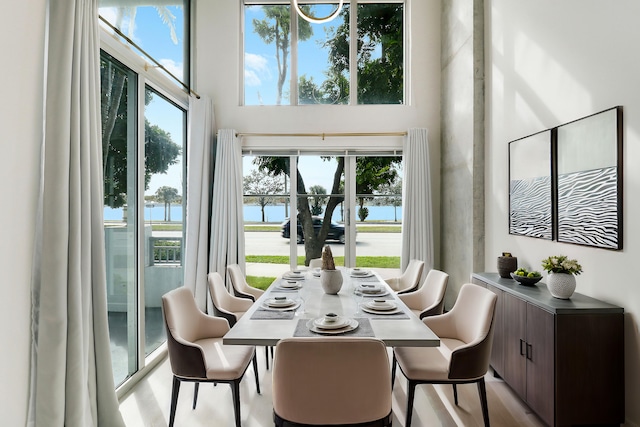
(252, 213)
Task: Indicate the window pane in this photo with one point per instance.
(267, 48)
(380, 54)
(379, 212)
(118, 86)
(162, 30)
(323, 57)
(266, 211)
(163, 230)
(321, 197)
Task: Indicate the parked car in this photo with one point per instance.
(336, 231)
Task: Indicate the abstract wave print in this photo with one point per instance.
(588, 208)
(531, 207)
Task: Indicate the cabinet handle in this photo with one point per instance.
(521, 348)
(529, 351)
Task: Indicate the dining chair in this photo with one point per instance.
(315, 263)
(410, 279)
(228, 306)
(224, 304)
(428, 299)
(331, 381)
(240, 286)
(196, 351)
(466, 335)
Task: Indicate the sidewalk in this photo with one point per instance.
(274, 270)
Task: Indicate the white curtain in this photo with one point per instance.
(201, 138)
(227, 222)
(417, 218)
(71, 375)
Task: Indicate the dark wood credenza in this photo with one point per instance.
(564, 358)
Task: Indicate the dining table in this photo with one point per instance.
(295, 305)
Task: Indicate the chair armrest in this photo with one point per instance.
(442, 325)
(239, 304)
(211, 326)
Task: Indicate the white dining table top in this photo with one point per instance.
(402, 331)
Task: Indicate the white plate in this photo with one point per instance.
(381, 293)
(295, 305)
(372, 311)
(340, 322)
(362, 276)
(381, 306)
(278, 303)
(353, 324)
(293, 276)
(316, 272)
(360, 272)
(290, 284)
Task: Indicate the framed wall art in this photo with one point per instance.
(530, 186)
(588, 167)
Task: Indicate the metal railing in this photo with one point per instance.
(165, 250)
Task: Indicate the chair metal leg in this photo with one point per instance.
(235, 394)
(455, 393)
(195, 394)
(394, 364)
(255, 370)
(411, 391)
(266, 357)
(482, 391)
(175, 389)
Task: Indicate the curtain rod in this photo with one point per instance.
(159, 65)
(322, 135)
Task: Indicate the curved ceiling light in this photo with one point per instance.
(315, 20)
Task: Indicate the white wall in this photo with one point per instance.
(22, 36)
(548, 63)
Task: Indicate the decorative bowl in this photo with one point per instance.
(523, 280)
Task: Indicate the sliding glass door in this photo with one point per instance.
(143, 142)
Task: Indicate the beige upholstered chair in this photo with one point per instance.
(196, 352)
(228, 306)
(331, 381)
(428, 300)
(466, 334)
(240, 286)
(315, 263)
(410, 279)
(224, 304)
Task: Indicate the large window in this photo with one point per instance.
(318, 63)
(143, 150)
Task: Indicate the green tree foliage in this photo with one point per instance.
(260, 184)
(317, 200)
(275, 29)
(167, 195)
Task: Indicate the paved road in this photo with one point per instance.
(367, 244)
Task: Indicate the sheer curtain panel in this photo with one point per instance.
(417, 217)
(71, 380)
(201, 137)
(227, 220)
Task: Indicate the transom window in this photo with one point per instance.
(289, 61)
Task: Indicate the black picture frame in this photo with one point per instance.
(530, 186)
(588, 184)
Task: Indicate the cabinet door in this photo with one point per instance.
(515, 343)
(497, 351)
(540, 362)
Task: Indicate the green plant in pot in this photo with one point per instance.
(561, 280)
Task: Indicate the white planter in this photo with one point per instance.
(561, 285)
(331, 281)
